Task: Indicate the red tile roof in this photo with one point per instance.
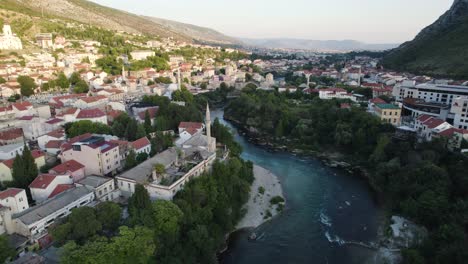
(9, 163)
(90, 113)
(152, 112)
(377, 101)
(424, 118)
(26, 118)
(115, 113)
(190, 125)
(11, 134)
(22, 106)
(69, 111)
(93, 99)
(42, 181)
(141, 143)
(68, 166)
(433, 122)
(54, 144)
(449, 132)
(37, 153)
(59, 133)
(10, 192)
(60, 189)
(54, 121)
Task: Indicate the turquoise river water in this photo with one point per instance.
(325, 208)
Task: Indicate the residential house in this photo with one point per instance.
(46, 186)
(10, 151)
(71, 167)
(12, 201)
(388, 113)
(428, 126)
(335, 93)
(94, 115)
(55, 135)
(142, 145)
(11, 136)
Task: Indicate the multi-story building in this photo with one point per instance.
(142, 54)
(460, 111)
(33, 222)
(104, 187)
(12, 201)
(46, 186)
(438, 100)
(335, 93)
(100, 156)
(388, 113)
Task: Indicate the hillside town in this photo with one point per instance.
(52, 85)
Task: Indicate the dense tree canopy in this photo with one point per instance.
(27, 85)
(86, 126)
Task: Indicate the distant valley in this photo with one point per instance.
(316, 45)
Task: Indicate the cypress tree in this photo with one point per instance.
(30, 167)
(18, 172)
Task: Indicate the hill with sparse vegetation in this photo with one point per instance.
(440, 50)
(86, 12)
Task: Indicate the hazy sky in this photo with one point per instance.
(372, 21)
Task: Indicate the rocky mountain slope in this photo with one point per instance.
(91, 13)
(440, 49)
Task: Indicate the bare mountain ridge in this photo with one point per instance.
(439, 50)
(87, 12)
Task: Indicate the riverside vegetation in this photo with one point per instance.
(189, 229)
(422, 181)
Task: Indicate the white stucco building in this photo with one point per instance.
(8, 40)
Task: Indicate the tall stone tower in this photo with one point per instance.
(123, 72)
(179, 81)
(208, 128)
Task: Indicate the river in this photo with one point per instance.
(325, 208)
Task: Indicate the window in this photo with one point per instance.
(100, 193)
(121, 183)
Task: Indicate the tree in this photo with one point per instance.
(141, 132)
(132, 245)
(24, 169)
(80, 226)
(74, 78)
(130, 160)
(18, 172)
(62, 81)
(159, 168)
(109, 214)
(139, 207)
(30, 167)
(86, 126)
(2, 80)
(84, 223)
(27, 85)
(81, 87)
(6, 251)
(141, 157)
(132, 127)
(148, 127)
(118, 129)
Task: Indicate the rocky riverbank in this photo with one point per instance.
(266, 199)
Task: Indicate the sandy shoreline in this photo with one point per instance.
(259, 203)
